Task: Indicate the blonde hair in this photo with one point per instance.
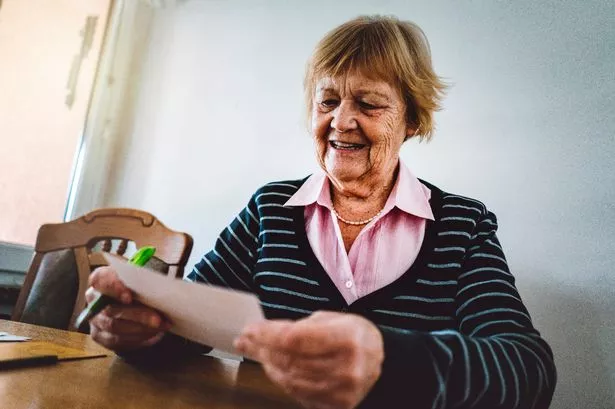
(386, 48)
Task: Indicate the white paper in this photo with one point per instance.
(6, 337)
(206, 314)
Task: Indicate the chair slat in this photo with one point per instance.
(172, 248)
(121, 249)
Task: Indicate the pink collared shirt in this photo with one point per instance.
(385, 248)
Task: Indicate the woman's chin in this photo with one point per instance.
(345, 175)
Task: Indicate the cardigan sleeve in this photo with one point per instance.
(232, 259)
(493, 359)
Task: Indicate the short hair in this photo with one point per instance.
(386, 48)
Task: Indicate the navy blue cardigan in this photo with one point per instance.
(456, 333)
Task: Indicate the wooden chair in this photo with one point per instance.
(83, 236)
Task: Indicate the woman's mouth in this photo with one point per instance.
(346, 146)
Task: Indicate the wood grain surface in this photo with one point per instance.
(109, 382)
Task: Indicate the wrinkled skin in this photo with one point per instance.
(360, 110)
(328, 360)
(126, 325)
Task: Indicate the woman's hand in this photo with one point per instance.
(126, 325)
(328, 360)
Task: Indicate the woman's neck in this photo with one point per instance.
(362, 199)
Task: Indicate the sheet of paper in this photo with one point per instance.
(210, 315)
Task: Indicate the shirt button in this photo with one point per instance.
(348, 284)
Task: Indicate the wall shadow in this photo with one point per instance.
(574, 327)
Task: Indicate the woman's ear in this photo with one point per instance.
(411, 131)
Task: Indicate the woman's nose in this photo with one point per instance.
(344, 118)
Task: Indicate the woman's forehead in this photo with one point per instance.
(355, 83)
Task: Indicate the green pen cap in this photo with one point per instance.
(142, 256)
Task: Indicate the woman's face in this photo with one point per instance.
(358, 125)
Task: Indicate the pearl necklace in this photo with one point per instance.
(360, 222)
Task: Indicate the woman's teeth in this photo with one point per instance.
(346, 145)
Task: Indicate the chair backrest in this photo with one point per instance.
(83, 238)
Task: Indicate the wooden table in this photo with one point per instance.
(204, 382)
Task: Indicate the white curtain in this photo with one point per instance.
(110, 108)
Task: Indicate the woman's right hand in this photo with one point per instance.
(126, 325)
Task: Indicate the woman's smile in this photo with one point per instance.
(347, 147)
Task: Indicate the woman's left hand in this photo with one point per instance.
(327, 360)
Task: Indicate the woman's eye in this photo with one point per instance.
(367, 106)
(328, 103)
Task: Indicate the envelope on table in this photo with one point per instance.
(18, 354)
(210, 315)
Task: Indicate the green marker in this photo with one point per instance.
(101, 301)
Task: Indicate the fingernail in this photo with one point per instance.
(154, 321)
(125, 298)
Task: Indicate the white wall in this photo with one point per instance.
(527, 128)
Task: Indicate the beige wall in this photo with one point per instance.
(527, 128)
(39, 133)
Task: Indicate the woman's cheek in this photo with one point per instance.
(320, 127)
(390, 128)
(382, 149)
(321, 150)
(392, 134)
(314, 121)
(320, 140)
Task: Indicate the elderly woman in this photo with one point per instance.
(380, 289)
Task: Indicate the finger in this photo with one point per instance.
(320, 316)
(328, 333)
(139, 314)
(320, 337)
(266, 330)
(106, 281)
(286, 335)
(337, 370)
(91, 294)
(256, 339)
(153, 340)
(309, 368)
(122, 342)
(122, 327)
(313, 393)
(292, 363)
(301, 337)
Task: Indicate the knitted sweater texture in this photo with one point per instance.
(455, 330)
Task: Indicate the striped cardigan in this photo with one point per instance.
(456, 333)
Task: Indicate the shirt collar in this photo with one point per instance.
(408, 194)
(313, 190)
